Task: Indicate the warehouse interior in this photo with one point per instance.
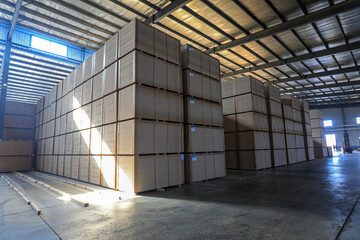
(179, 119)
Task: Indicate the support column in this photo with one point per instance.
(5, 74)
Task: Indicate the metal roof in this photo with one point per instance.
(309, 48)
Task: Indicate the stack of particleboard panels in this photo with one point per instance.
(247, 141)
(298, 130)
(15, 155)
(203, 123)
(318, 133)
(118, 118)
(150, 108)
(45, 131)
(309, 144)
(289, 128)
(19, 121)
(276, 126)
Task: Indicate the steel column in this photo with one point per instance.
(5, 67)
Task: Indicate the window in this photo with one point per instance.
(49, 46)
(358, 120)
(327, 123)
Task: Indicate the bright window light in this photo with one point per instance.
(327, 123)
(46, 45)
(358, 120)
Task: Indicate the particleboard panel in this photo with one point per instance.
(95, 166)
(126, 173)
(125, 141)
(161, 172)
(110, 108)
(253, 140)
(97, 113)
(67, 166)
(76, 119)
(76, 143)
(97, 90)
(62, 144)
(136, 35)
(85, 117)
(108, 166)
(252, 121)
(96, 140)
(88, 68)
(85, 141)
(161, 138)
(60, 170)
(110, 78)
(99, 57)
(144, 173)
(250, 102)
(84, 168)
(75, 167)
(111, 49)
(175, 138)
(86, 92)
(70, 121)
(77, 98)
(68, 143)
(254, 160)
(109, 140)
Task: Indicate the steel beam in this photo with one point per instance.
(37, 84)
(4, 71)
(32, 64)
(57, 21)
(303, 57)
(29, 86)
(341, 103)
(51, 27)
(14, 19)
(343, 84)
(166, 11)
(94, 5)
(331, 95)
(42, 61)
(59, 37)
(68, 16)
(51, 74)
(122, 5)
(29, 91)
(34, 74)
(87, 13)
(317, 75)
(34, 78)
(309, 18)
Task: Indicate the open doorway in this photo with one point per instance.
(330, 140)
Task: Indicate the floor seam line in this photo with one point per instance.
(50, 227)
(347, 218)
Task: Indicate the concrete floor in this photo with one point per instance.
(310, 200)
